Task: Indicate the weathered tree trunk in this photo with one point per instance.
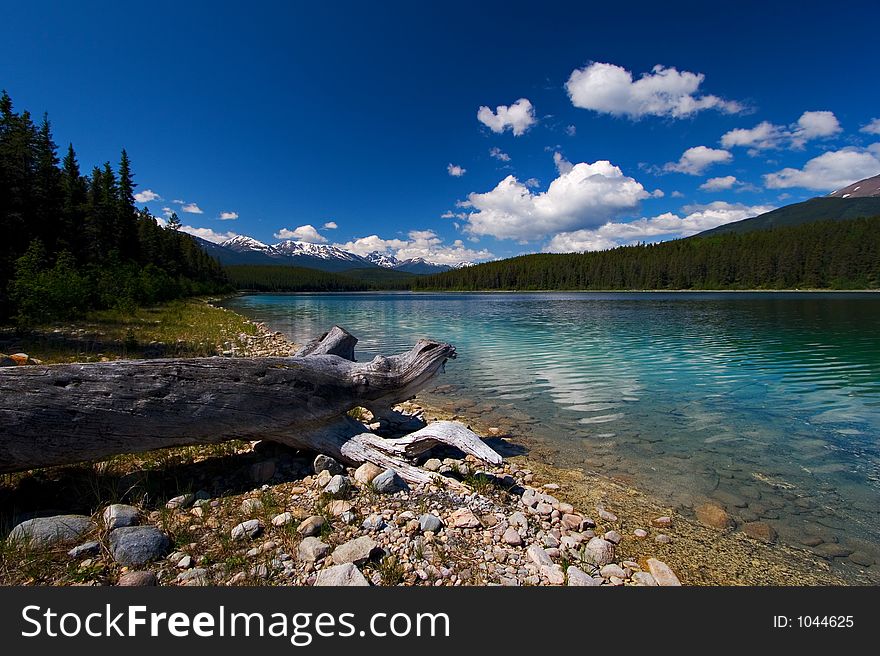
(61, 414)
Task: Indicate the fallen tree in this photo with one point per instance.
(67, 413)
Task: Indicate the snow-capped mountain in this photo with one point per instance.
(290, 247)
(244, 244)
(382, 260)
(242, 249)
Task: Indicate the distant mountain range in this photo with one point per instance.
(860, 199)
(247, 250)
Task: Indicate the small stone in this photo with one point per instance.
(553, 574)
(519, 520)
(249, 529)
(761, 531)
(613, 537)
(512, 537)
(543, 508)
(185, 562)
(137, 545)
(464, 518)
(282, 519)
(571, 522)
(662, 538)
(429, 522)
(661, 522)
(550, 486)
(644, 579)
(85, 549)
(323, 478)
(49, 531)
(182, 501)
(605, 515)
(538, 555)
(341, 575)
(640, 533)
(195, 577)
(432, 464)
(713, 516)
(338, 486)
(374, 523)
(311, 549)
(579, 578)
(388, 482)
(599, 552)
(338, 507)
(348, 517)
(662, 573)
(311, 526)
(366, 473)
(612, 570)
(251, 506)
(138, 579)
(354, 551)
(263, 471)
(322, 463)
(118, 515)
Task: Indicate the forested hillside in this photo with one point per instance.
(73, 242)
(262, 278)
(819, 255)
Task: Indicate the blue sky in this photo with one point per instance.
(637, 123)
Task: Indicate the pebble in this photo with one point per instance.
(344, 575)
(139, 579)
(579, 578)
(662, 538)
(605, 515)
(339, 507)
(640, 533)
(432, 464)
(661, 522)
(464, 518)
(311, 549)
(429, 522)
(367, 472)
(338, 486)
(538, 556)
(713, 516)
(249, 529)
(613, 537)
(251, 506)
(182, 501)
(282, 519)
(612, 570)
(644, 578)
(310, 526)
(118, 515)
(85, 549)
(354, 551)
(388, 482)
(512, 537)
(599, 552)
(662, 573)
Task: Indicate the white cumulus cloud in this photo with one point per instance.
(871, 128)
(208, 234)
(517, 118)
(228, 216)
(306, 233)
(768, 136)
(697, 218)
(717, 184)
(420, 243)
(146, 196)
(665, 91)
(192, 208)
(330, 225)
(498, 154)
(455, 170)
(697, 159)
(829, 171)
(583, 195)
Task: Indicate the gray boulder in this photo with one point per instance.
(341, 575)
(137, 545)
(85, 549)
(354, 551)
(338, 486)
(249, 529)
(429, 522)
(311, 549)
(323, 462)
(387, 482)
(49, 531)
(599, 552)
(118, 515)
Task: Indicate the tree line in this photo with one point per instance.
(817, 255)
(74, 242)
(277, 278)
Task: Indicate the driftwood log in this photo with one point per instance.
(62, 414)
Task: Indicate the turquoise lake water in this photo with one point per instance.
(766, 403)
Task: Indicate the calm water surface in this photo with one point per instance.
(768, 404)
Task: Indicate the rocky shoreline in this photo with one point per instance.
(263, 514)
